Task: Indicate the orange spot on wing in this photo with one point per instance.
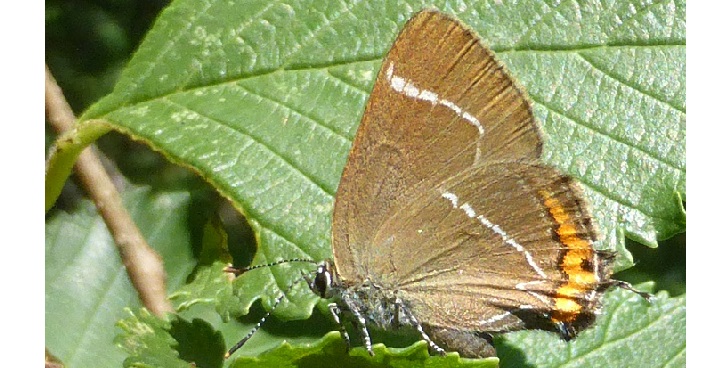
(579, 251)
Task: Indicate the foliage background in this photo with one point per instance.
(87, 46)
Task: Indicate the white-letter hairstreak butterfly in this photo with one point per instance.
(445, 218)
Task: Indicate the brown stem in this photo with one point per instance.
(143, 265)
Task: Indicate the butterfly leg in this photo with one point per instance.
(335, 311)
(353, 307)
(414, 322)
(397, 315)
(252, 332)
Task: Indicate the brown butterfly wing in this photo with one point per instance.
(503, 246)
(441, 103)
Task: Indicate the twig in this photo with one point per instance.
(143, 265)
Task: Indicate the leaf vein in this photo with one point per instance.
(641, 12)
(279, 103)
(605, 134)
(119, 272)
(261, 143)
(531, 27)
(676, 355)
(328, 21)
(347, 83)
(169, 46)
(631, 17)
(636, 88)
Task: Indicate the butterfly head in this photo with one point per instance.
(323, 281)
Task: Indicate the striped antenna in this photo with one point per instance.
(240, 271)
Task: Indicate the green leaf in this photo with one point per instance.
(631, 332)
(86, 285)
(262, 99)
(332, 351)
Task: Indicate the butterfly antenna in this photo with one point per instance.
(257, 326)
(240, 271)
(627, 286)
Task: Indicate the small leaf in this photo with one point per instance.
(210, 286)
(198, 342)
(147, 340)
